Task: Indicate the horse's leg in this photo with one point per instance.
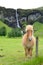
(30, 52)
(26, 52)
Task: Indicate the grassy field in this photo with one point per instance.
(12, 52)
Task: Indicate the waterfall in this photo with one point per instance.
(17, 19)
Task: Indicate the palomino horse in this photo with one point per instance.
(28, 40)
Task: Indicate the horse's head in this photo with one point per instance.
(29, 31)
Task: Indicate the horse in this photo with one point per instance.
(28, 40)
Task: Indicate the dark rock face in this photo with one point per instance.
(34, 17)
(30, 16)
(8, 16)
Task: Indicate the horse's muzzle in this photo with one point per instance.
(30, 38)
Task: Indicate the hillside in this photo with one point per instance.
(39, 29)
(7, 28)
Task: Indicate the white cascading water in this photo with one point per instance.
(17, 19)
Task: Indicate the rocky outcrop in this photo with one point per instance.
(29, 16)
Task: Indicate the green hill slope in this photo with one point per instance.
(39, 29)
(37, 26)
(7, 28)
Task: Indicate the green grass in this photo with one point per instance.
(13, 52)
(7, 28)
(39, 29)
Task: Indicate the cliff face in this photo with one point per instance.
(29, 16)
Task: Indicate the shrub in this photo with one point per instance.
(15, 33)
(3, 31)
